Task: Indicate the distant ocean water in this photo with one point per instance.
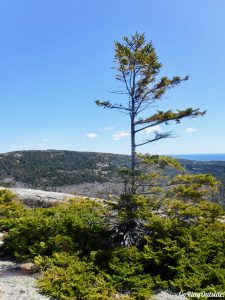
(201, 157)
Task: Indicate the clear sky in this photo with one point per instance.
(56, 58)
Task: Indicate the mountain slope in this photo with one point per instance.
(86, 173)
(53, 168)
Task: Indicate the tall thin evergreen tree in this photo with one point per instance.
(138, 70)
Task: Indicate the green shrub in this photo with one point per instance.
(186, 249)
(76, 225)
(69, 278)
(127, 273)
(10, 209)
(181, 246)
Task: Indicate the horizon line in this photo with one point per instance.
(174, 154)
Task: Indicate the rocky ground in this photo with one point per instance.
(15, 285)
(39, 198)
(34, 198)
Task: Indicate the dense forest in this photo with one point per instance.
(52, 168)
(216, 168)
(81, 171)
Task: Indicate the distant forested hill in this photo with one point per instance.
(90, 171)
(216, 168)
(51, 168)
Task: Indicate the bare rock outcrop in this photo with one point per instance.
(39, 198)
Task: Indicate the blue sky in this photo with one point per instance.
(56, 58)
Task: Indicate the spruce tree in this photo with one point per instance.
(138, 71)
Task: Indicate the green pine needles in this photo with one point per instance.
(80, 251)
(138, 72)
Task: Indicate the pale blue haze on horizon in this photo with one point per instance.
(202, 157)
(56, 58)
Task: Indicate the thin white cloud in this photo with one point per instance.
(120, 135)
(17, 147)
(4, 141)
(190, 130)
(43, 143)
(153, 129)
(109, 128)
(91, 135)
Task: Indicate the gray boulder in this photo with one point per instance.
(39, 198)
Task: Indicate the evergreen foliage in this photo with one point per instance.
(55, 168)
(80, 255)
(138, 71)
(51, 169)
(10, 208)
(63, 227)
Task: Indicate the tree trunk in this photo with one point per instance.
(133, 155)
